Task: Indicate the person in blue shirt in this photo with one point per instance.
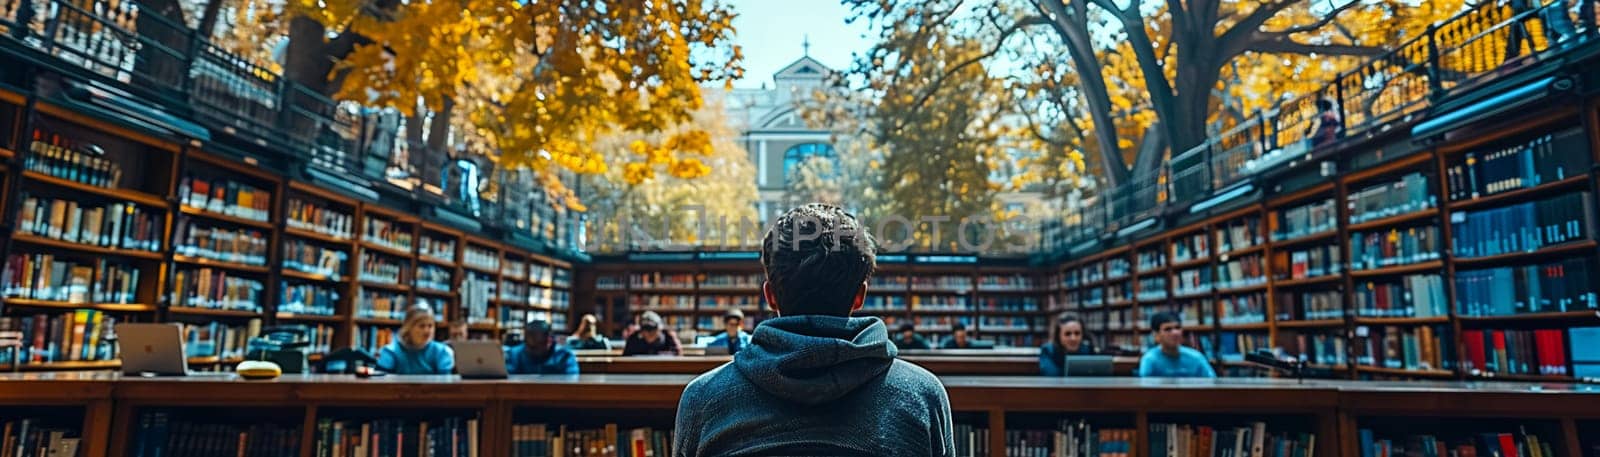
(415, 351)
(539, 353)
(733, 336)
(1170, 358)
(1069, 340)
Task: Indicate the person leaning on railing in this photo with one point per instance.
(1067, 338)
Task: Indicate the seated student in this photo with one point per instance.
(588, 335)
(651, 339)
(1068, 331)
(1170, 358)
(458, 331)
(415, 351)
(909, 339)
(958, 338)
(539, 353)
(815, 381)
(732, 324)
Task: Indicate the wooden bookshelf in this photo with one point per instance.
(109, 307)
(85, 248)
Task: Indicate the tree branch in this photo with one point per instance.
(999, 44)
(1238, 36)
(1321, 22)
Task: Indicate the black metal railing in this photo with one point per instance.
(1456, 55)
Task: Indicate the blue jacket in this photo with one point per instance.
(815, 385)
(1049, 363)
(435, 358)
(560, 360)
(722, 340)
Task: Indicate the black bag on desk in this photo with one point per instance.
(284, 346)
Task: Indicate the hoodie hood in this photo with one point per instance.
(816, 359)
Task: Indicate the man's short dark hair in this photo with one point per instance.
(908, 327)
(539, 326)
(1162, 318)
(817, 257)
(959, 327)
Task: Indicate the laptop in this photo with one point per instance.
(480, 359)
(154, 350)
(1088, 365)
(720, 349)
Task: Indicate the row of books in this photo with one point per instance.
(116, 225)
(217, 339)
(1567, 285)
(1190, 247)
(970, 440)
(1151, 260)
(553, 298)
(162, 434)
(513, 291)
(307, 299)
(430, 276)
(381, 305)
(1242, 271)
(941, 282)
(320, 337)
(1119, 292)
(1327, 304)
(246, 246)
(1377, 249)
(1070, 438)
(1238, 234)
(225, 196)
(1545, 158)
(991, 323)
(67, 159)
(1308, 263)
(212, 288)
(889, 282)
(1254, 440)
(387, 234)
(476, 290)
(481, 258)
(658, 279)
(1244, 309)
(437, 247)
(749, 281)
(44, 277)
(1462, 444)
(37, 437)
(1509, 351)
(455, 436)
(939, 323)
(1298, 221)
(1005, 282)
(382, 269)
(1189, 282)
(1405, 348)
(71, 335)
(543, 440)
(311, 258)
(1409, 296)
(1232, 346)
(1018, 341)
(1117, 267)
(1407, 195)
(371, 338)
(609, 282)
(1197, 313)
(736, 301)
(1321, 349)
(513, 270)
(316, 217)
(637, 301)
(884, 302)
(939, 302)
(1152, 288)
(513, 318)
(553, 276)
(1522, 227)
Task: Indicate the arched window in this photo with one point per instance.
(800, 153)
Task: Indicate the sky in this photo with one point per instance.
(771, 33)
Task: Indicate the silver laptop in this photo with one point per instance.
(720, 349)
(1088, 365)
(154, 350)
(480, 359)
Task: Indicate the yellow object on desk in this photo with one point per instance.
(258, 369)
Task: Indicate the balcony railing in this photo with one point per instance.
(1464, 52)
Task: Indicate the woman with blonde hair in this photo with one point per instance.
(415, 351)
(588, 335)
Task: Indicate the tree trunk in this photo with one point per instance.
(1074, 31)
(430, 160)
(208, 19)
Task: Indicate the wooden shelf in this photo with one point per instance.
(1401, 320)
(726, 290)
(192, 311)
(1253, 326)
(670, 310)
(436, 261)
(1162, 270)
(663, 290)
(78, 365)
(1398, 269)
(1258, 247)
(996, 312)
(219, 217)
(434, 292)
(1548, 251)
(1589, 315)
(214, 360)
(310, 235)
(1306, 239)
(1188, 295)
(115, 194)
(471, 267)
(378, 321)
(385, 250)
(941, 311)
(307, 317)
(204, 262)
(1009, 331)
(1191, 263)
(1523, 377)
(58, 244)
(1404, 372)
(1314, 280)
(385, 286)
(1244, 289)
(1300, 195)
(942, 291)
(1520, 195)
(109, 307)
(1152, 301)
(1120, 304)
(301, 275)
(1385, 222)
(1010, 291)
(1311, 323)
(483, 327)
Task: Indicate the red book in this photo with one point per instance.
(1500, 353)
(1508, 444)
(1474, 351)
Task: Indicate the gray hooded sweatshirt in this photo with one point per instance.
(815, 386)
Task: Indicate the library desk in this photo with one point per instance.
(943, 365)
(1331, 409)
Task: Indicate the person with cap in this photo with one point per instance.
(539, 353)
(651, 339)
(733, 336)
(909, 339)
(415, 351)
